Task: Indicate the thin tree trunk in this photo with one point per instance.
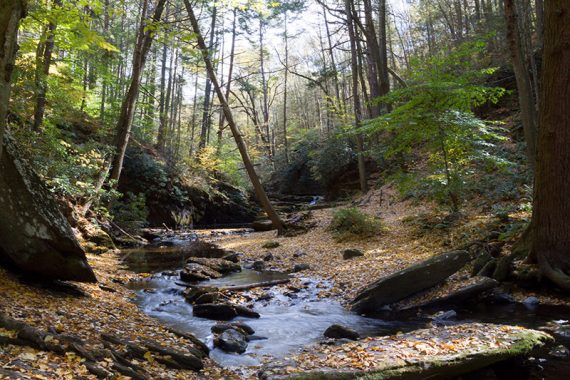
(285, 143)
(256, 183)
(230, 78)
(527, 101)
(206, 121)
(551, 225)
(161, 138)
(356, 96)
(43, 63)
(125, 120)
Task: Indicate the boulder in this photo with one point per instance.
(191, 294)
(409, 281)
(341, 332)
(193, 272)
(462, 293)
(232, 256)
(231, 340)
(258, 266)
(262, 225)
(219, 265)
(243, 311)
(219, 312)
(213, 297)
(351, 253)
(240, 326)
(301, 267)
(412, 356)
(34, 235)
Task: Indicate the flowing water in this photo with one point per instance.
(291, 320)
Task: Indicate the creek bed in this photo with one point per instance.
(291, 321)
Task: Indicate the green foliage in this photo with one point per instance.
(433, 117)
(351, 223)
(131, 212)
(69, 169)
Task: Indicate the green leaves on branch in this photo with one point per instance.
(433, 117)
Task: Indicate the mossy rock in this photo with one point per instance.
(271, 245)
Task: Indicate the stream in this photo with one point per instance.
(291, 320)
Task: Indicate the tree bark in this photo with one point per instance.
(43, 63)
(356, 96)
(527, 101)
(10, 13)
(125, 121)
(256, 183)
(206, 121)
(551, 225)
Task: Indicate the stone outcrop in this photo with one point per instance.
(34, 235)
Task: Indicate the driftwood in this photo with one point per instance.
(262, 284)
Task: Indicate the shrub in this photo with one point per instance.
(131, 213)
(350, 223)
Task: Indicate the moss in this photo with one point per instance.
(526, 342)
(271, 245)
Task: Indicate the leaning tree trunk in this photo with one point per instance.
(551, 225)
(125, 121)
(256, 183)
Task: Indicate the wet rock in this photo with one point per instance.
(258, 266)
(219, 265)
(409, 281)
(271, 245)
(268, 256)
(501, 297)
(341, 332)
(233, 257)
(301, 267)
(240, 326)
(220, 312)
(192, 294)
(193, 272)
(264, 297)
(531, 302)
(560, 351)
(231, 340)
(243, 311)
(208, 298)
(348, 254)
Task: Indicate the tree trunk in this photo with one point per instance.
(208, 91)
(356, 96)
(551, 225)
(125, 121)
(43, 63)
(258, 188)
(221, 126)
(10, 14)
(527, 101)
(285, 142)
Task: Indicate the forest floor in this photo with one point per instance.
(88, 310)
(412, 233)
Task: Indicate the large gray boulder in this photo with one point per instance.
(409, 281)
(34, 235)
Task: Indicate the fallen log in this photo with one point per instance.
(235, 288)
